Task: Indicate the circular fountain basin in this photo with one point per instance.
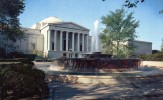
(100, 77)
(59, 73)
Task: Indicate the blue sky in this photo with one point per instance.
(85, 12)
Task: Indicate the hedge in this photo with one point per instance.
(152, 57)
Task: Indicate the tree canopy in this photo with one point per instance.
(119, 28)
(131, 3)
(9, 21)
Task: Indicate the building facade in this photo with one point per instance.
(142, 47)
(54, 38)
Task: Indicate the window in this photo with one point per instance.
(80, 46)
(52, 45)
(76, 55)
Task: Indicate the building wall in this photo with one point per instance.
(143, 47)
(32, 42)
(44, 32)
(40, 38)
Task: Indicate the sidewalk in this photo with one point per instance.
(70, 91)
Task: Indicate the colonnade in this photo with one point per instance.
(59, 40)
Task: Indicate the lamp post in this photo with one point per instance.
(70, 53)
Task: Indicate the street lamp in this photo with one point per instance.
(70, 53)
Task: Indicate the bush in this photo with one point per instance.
(31, 57)
(22, 81)
(2, 53)
(14, 55)
(155, 51)
(152, 57)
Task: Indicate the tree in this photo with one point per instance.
(118, 30)
(155, 51)
(9, 21)
(162, 46)
(133, 3)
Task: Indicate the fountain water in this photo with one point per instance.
(95, 38)
(96, 51)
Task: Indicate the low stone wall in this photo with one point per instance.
(96, 64)
(152, 63)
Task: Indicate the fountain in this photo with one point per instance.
(96, 51)
(94, 68)
(95, 38)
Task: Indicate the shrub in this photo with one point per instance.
(22, 81)
(31, 57)
(16, 55)
(155, 51)
(152, 57)
(2, 53)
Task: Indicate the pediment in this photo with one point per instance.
(71, 25)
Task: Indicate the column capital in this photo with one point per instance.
(65, 31)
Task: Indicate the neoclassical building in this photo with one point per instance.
(53, 37)
(61, 37)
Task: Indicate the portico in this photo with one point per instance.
(65, 41)
(63, 38)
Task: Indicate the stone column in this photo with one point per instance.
(49, 40)
(73, 41)
(87, 42)
(55, 41)
(78, 42)
(82, 42)
(61, 37)
(67, 41)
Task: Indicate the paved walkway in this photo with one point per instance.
(136, 89)
(70, 91)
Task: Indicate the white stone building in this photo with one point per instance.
(142, 47)
(53, 37)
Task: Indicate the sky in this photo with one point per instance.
(86, 12)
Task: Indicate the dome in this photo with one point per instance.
(51, 20)
(48, 20)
